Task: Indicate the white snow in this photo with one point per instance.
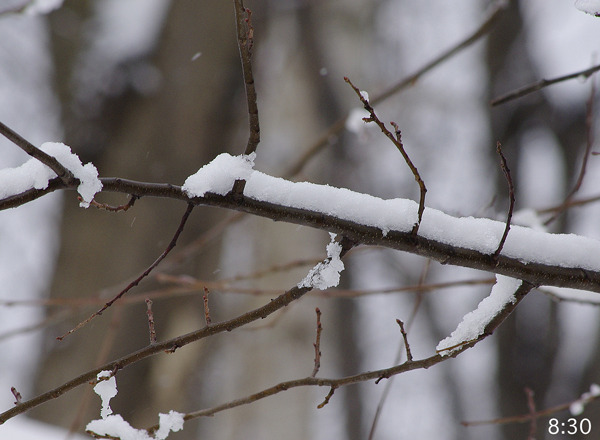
(34, 174)
(577, 407)
(589, 6)
(219, 175)
(474, 323)
(354, 121)
(479, 234)
(327, 273)
(116, 426)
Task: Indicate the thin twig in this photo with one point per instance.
(151, 327)
(401, 85)
(135, 282)
(245, 37)
(63, 173)
(511, 198)
(523, 91)
(110, 208)
(405, 337)
(361, 377)
(327, 397)
(170, 345)
(531, 406)
(18, 397)
(317, 344)
(206, 310)
(397, 141)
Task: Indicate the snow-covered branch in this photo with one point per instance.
(562, 260)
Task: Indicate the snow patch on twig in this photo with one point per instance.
(116, 426)
(327, 273)
(34, 174)
(474, 323)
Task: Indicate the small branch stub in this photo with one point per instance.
(409, 357)
(206, 311)
(18, 398)
(151, 322)
(317, 344)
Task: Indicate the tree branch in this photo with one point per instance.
(63, 173)
(376, 375)
(167, 346)
(533, 272)
(245, 36)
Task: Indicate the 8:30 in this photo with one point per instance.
(572, 427)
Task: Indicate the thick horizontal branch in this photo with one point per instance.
(515, 266)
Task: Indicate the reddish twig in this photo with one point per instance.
(405, 337)
(206, 311)
(112, 208)
(135, 282)
(397, 141)
(317, 344)
(151, 322)
(18, 397)
(531, 405)
(511, 198)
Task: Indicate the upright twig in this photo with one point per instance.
(511, 198)
(317, 344)
(135, 282)
(63, 173)
(206, 310)
(17, 395)
(245, 37)
(397, 141)
(531, 405)
(151, 327)
(523, 91)
(405, 337)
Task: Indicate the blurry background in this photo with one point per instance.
(151, 90)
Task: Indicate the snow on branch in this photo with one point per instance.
(114, 426)
(327, 273)
(34, 174)
(475, 323)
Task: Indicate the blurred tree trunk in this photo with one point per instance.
(164, 136)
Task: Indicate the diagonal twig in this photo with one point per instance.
(63, 173)
(141, 277)
(397, 141)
